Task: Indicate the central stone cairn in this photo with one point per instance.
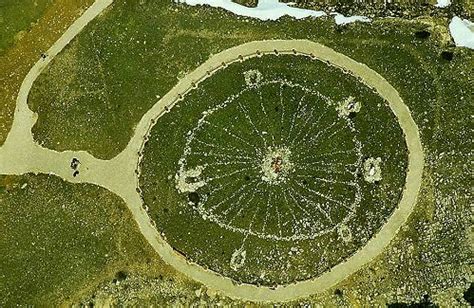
(276, 165)
(270, 182)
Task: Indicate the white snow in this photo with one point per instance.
(342, 20)
(265, 9)
(462, 31)
(443, 3)
(272, 10)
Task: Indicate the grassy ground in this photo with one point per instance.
(431, 259)
(17, 17)
(51, 19)
(61, 240)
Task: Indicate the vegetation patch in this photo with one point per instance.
(94, 93)
(157, 289)
(59, 238)
(249, 3)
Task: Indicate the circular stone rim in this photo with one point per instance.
(339, 272)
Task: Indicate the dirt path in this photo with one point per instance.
(20, 154)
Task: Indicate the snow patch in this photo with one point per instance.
(265, 9)
(462, 31)
(272, 10)
(443, 3)
(342, 20)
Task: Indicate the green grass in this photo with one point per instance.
(16, 16)
(273, 108)
(59, 238)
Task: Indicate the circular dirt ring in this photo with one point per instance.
(274, 166)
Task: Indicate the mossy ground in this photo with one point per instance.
(17, 16)
(59, 240)
(381, 8)
(249, 3)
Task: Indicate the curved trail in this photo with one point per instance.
(20, 154)
(373, 247)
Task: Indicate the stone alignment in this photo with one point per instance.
(271, 167)
(377, 243)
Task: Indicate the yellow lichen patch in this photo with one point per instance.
(16, 61)
(7, 183)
